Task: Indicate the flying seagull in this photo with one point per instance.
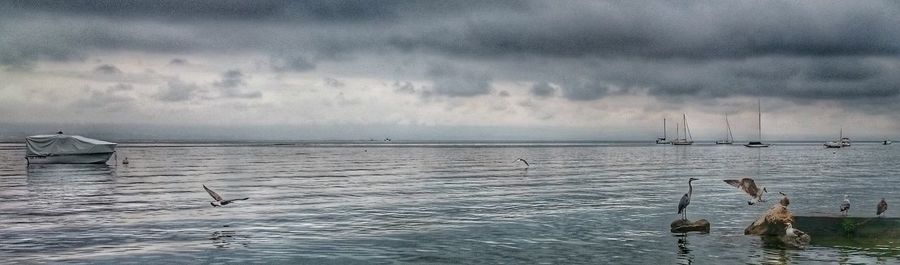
(523, 161)
(882, 207)
(845, 206)
(219, 201)
(685, 200)
(748, 186)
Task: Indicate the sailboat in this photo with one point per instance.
(835, 144)
(729, 138)
(663, 140)
(759, 143)
(845, 141)
(687, 140)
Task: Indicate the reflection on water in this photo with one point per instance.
(684, 251)
(428, 203)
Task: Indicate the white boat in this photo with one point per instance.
(758, 144)
(887, 142)
(729, 138)
(687, 140)
(663, 140)
(844, 140)
(67, 149)
(836, 144)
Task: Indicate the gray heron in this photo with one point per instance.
(685, 200)
(218, 199)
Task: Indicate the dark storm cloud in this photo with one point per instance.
(589, 49)
(453, 82)
(107, 69)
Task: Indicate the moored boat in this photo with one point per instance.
(67, 149)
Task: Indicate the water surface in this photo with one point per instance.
(411, 203)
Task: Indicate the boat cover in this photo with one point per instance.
(61, 144)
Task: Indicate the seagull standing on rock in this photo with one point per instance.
(218, 199)
(845, 206)
(882, 207)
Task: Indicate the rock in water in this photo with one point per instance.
(771, 223)
(684, 226)
(797, 241)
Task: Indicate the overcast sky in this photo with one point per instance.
(498, 70)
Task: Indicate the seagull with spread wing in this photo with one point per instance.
(523, 161)
(748, 186)
(219, 201)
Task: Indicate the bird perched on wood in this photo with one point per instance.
(748, 186)
(686, 199)
(882, 207)
(218, 199)
(784, 199)
(845, 205)
(523, 161)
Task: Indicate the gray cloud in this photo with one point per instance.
(542, 89)
(453, 82)
(231, 86)
(405, 87)
(331, 82)
(107, 69)
(177, 90)
(178, 61)
(291, 64)
(109, 100)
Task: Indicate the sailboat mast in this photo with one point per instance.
(728, 137)
(687, 130)
(677, 132)
(664, 129)
(759, 118)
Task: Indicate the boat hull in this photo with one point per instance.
(683, 143)
(722, 142)
(96, 158)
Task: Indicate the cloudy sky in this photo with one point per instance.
(499, 70)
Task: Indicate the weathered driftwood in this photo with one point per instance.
(771, 223)
(684, 226)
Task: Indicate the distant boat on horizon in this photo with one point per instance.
(887, 142)
(687, 140)
(729, 138)
(838, 143)
(759, 143)
(845, 141)
(664, 139)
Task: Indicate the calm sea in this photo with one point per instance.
(431, 203)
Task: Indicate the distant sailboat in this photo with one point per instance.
(757, 144)
(663, 140)
(844, 140)
(687, 140)
(835, 144)
(729, 138)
